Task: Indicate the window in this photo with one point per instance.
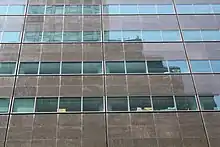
(136, 67)
(93, 104)
(91, 9)
(22, 105)
(163, 103)
(11, 37)
(71, 68)
(140, 103)
(192, 35)
(54, 9)
(4, 105)
(185, 9)
(73, 9)
(165, 9)
(178, 66)
(3, 10)
(210, 35)
(28, 68)
(211, 102)
(33, 37)
(92, 67)
(151, 36)
(157, 66)
(46, 105)
(7, 67)
(202, 9)
(36, 9)
(72, 36)
(69, 104)
(113, 36)
(16, 10)
(128, 9)
(186, 103)
(216, 8)
(52, 36)
(117, 104)
(215, 65)
(50, 68)
(171, 35)
(91, 36)
(147, 9)
(111, 9)
(131, 35)
(200, 66)
(115, 67)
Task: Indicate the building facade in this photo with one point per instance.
(109, 73)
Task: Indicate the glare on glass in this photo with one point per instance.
(216, 8)
(178, 66)
(215, 65)
(185, 9)
(192, 35)
(16, 10)
(131, 35)
(165, 9)
(113, 36)
(171, 35)
(202, 9)
(11, 37)
(3, 10)
(210, 35)
(200, 66)
(154, 35)
(147, 9)
(111, 9)
(128, 9)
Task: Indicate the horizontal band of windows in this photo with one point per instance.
(121, 103)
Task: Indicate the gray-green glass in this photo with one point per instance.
(72, 36)
(52, 37)
(33, 37)
(71, 68)
(50, 68)
(93, 104)
(117, 104)
(70, 104)
(46, 105)
(28, 68)
(7, 68)
(4, 105)
(210, 102)
(54, 9)
(91, 9)
(165, 103)
(140, 103)
(157, 66)
(91, 36)
(136, 67)
(22, 105)
(186, 103)
(92, 67)
(36, 9)
(73, 9)
(115, 67)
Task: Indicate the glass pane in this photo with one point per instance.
(52, 36)
(4, 105)
(23, 105)
(72, 36)
(165, 9)
(157, 66)
(215, 65)
(36, 9)
(140, 103)
(202, 9)
(211, 102)
(16, 10)
(46, 105)
(192, 35)
(151, 36)
(117, 104)
(135, 67)
(92, 67)
(163, 103)
(28, 68)
(178, 66)
(128, 9)
(50, 68)
(54, 9)
(200, 66)
(91, 36)
(111, 9)
(11, 37)
(7, 68)
(115, 67)
(113, 36)
(210, 35)
(33, 37)
(3, 10)
(69, 104)
(186, 103)
(91, 9)
(147, 9)
(73, 9)
(71, 67)
(171, 35)
(93, 104)
(185, 9)
(131, 35)
(216, 8)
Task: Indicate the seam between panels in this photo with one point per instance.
(16, 72)
(191, 75)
